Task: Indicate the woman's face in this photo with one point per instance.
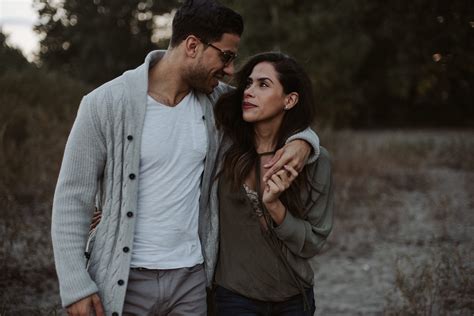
(264, 98)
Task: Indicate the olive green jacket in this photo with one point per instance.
(302, 238)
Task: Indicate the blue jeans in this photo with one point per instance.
(229, 303)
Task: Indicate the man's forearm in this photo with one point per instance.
(312, 139)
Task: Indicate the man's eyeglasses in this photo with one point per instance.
(226, 56)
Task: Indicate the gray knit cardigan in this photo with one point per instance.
(100, 167)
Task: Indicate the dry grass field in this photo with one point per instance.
(403, 238)
(403, 235)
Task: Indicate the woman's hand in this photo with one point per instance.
(95, 219)
(274, 187)
(278, 183)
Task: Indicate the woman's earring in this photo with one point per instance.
(285, 108)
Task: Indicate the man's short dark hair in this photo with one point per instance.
(205, 19)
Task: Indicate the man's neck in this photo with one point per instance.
(165, 81)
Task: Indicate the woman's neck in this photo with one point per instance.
(266, 134)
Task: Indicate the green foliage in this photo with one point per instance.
(97, 40)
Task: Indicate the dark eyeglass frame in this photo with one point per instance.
(226, 56)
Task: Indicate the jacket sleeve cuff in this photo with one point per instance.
(289, 229)
(312, 139)
(77, 292)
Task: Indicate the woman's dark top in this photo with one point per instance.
(248, 264)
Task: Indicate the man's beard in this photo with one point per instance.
(198, 79)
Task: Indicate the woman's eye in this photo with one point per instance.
(263, 84)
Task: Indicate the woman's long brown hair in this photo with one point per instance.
(241, 157)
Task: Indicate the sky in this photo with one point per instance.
(17, 18)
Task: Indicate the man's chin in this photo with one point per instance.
(206, 90)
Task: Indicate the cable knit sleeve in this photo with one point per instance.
(312, 139)
(81, 169)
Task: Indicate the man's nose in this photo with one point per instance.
(229, 69)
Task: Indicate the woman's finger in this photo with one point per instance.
(292, 171)
(287, 177)
(96, 216)
(284, 175)
(95, 220)
(272, 187)
(274, 164)
(279, 182)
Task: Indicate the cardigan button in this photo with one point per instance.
(129, 214)
(120, 282)
(131, 176)
(115, 314)
(130, 137)
(203, 117)
(126, 249)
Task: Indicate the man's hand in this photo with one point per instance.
(85, 306)
(294, 154)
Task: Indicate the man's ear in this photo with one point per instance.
(291, 99)
(191, 46)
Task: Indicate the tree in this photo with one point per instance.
(96, 40)
(419, 68)
(374, 63)
(11, 57)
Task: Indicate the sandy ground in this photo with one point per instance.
(398, 217)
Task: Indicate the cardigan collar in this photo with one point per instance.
(137, 79)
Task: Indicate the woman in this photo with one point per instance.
(268, 229)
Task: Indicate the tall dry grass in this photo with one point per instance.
(373, 169)
(441, 285)
(409, 192)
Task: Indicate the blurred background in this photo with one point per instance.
(394, 82)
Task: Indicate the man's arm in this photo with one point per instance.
(300, 149)
(82, 166)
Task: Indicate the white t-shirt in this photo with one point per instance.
(174, 145)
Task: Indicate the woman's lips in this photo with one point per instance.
(248, 105)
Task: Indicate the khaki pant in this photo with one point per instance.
(166, 292)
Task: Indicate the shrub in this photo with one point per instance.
(36, 113)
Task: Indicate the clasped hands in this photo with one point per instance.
(283, 170)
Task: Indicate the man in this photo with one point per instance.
(143, 148)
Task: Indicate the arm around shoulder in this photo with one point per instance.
(312, 139)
